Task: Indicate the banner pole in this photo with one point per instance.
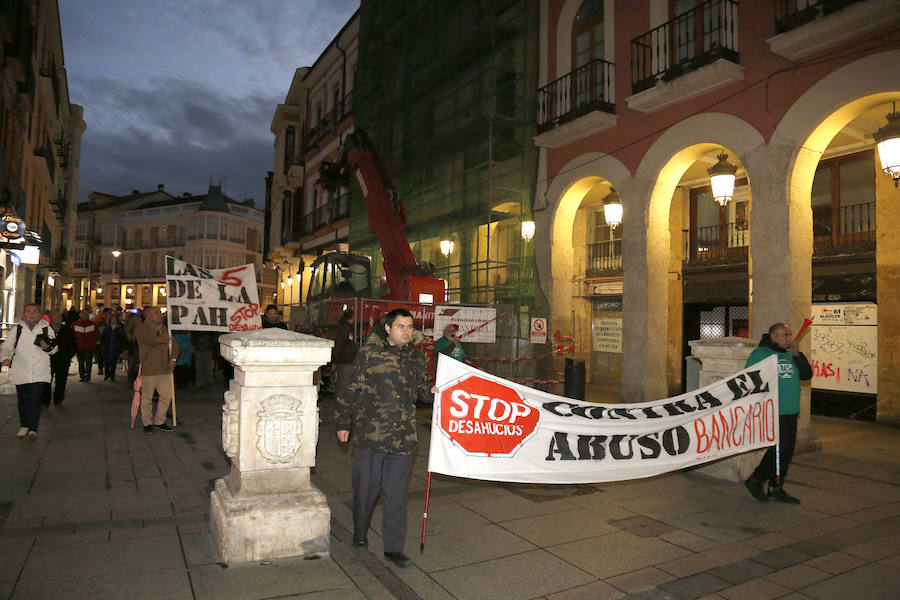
(778, 460)
(425, 512)
(171, 375)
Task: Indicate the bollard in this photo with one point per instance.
(574, 379)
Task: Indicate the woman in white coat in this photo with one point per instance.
(26, 351)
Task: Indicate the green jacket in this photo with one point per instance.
(376, 402)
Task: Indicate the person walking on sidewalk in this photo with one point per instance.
(793, 367)
(377, 402)
(26, 351)
(112, 342)
(157, 365)
(60, 361)
(86, 335)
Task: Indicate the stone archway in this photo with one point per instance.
(647, 245)
(801, 137)
(556, 253)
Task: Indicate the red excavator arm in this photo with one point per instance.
(407, 278)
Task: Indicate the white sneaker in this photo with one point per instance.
(22, 432)
(32, 435)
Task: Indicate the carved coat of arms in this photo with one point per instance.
(279, 428)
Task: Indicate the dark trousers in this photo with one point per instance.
(30, 395)
(98, 357)
(85, 358)
(377, 473)
(787, 439)
(60, 377)
(110, 368)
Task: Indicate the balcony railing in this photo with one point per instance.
(585, 89)
(791, 14)
(324, 216)
(844, 228)
(604, 256)
(329, 122)
(686, 43)
(726, 242)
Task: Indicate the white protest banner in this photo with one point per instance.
(211, 299)
(485, 427)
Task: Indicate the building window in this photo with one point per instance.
(290, 141)
(138, 238)
(843, 200)
(587, 34)
(81, 258)
(154, 237)
(81, 231)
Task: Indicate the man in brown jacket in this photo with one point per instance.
(157, 365)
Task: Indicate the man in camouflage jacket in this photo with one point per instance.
(377, 402)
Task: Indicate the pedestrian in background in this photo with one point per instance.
(377, 402)
(26, 351)
(793, 367)
(113, 344)
(345, 347)
(272, 318)
(133, 361)
(62, 359)
(157, 366)
(86, 335)
(101, 320)
(184, 366)
(204, 357)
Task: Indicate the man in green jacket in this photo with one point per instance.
(793, 367)
(377, 402)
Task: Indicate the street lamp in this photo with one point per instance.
(446, 247)
(612, 209)
(887, 140)
(116, 254)
(721, 178)
(528, 230)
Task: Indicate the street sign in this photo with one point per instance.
(539, 330)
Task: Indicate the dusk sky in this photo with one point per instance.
(183, 93)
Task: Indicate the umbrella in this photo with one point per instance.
(136, 399)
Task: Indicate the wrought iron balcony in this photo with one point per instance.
(724, 243)
(604, 257)
(585, 89)
(691, 40)
(789, 14)
(845, 229)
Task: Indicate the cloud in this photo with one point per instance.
(181, 93)
(177, 133)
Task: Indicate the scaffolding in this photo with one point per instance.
(446, 92)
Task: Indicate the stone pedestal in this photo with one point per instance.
(266, 507)
(719, 358)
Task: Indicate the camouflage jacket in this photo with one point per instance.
(377, 400)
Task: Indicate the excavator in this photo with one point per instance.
(339, 278)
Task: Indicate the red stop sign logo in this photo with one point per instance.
(486, 418)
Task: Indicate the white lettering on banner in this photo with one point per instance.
(202, 299)
(489, 428)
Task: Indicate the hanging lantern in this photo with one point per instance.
(528, 230)
(612, 208)
(446, 247)
(887, 140)
(721, 178)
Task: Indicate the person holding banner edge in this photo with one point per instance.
(377, 401)
(158, 364)
(793, 367)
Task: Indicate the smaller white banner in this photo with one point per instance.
(211, 299)
(476, 324)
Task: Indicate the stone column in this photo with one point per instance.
(719, 358)
(266, 507)
(887, 259)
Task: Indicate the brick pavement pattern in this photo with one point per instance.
(93, 509)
